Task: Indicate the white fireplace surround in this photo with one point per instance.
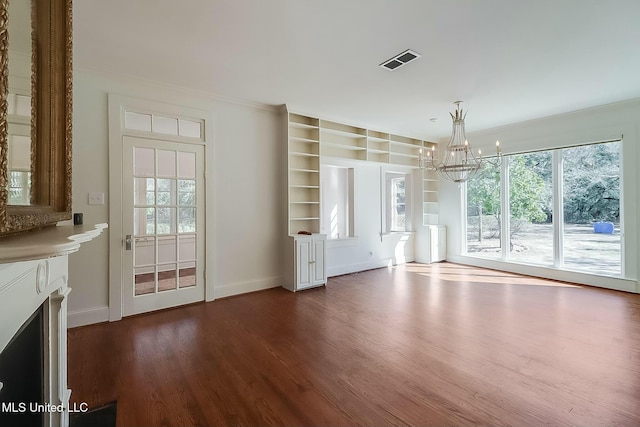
(33, 272)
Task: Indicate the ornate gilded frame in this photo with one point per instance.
(51, 118)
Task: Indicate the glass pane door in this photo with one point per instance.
(165, 230)
(163, 212)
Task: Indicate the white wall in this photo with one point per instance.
(590, 125)
(369, 249)
(245, 181)
(334, 188)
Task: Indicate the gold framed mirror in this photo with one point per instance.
(35, 139)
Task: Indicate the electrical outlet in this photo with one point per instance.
(96, 198)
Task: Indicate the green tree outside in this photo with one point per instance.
(591, 176)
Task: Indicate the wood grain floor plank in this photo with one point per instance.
(439, 345)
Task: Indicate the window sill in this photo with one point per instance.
(568, 269)
(570, 276)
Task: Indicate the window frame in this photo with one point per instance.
(389, 202)
(558, 213)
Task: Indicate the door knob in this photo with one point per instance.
(127, 242)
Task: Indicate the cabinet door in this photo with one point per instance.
(442, 243)
(435, 244)
(318, 269)
(304, 257)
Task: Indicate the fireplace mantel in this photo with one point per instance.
(34, 272)
(47, 243)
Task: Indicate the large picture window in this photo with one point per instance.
(582, 234)
(591, 204)
(484, 218)
(530, 208)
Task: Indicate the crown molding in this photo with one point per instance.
(184, 90)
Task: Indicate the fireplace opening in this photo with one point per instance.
(22, 375)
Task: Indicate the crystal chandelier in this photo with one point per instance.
(459, 163)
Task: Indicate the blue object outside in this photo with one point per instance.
(603, 227)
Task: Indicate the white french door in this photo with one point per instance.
(163, 224)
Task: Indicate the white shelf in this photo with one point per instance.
(430, 208)
(376, 151)
(410, 156)
(376, 139)
(304, 170)
(347, 134)
(430, 186)
(344, 146)
(300, 139)
(302, 122)
(397, 139)
(301, 154)
(302, 125)
(405, 144)
(340, 129)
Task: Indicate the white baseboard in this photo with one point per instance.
(354, 268)
(87, 317)
(249, 286)
(101, 314)
(619, 284)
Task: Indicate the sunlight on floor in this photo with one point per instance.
(459, 273)
(400, 251)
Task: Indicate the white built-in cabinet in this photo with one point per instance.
(309, 139)
(309, 268)
(436, 243)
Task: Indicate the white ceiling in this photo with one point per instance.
(508, 60)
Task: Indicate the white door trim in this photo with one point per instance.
(118, 104)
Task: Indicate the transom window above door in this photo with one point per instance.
(159, 124)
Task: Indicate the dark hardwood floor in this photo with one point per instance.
(423, 345)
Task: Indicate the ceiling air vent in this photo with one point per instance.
(400, 59)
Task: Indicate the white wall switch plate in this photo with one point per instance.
(96, 198)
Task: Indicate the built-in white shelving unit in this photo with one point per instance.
(404, 151)
(304, 173)
(311, 138)
(344, 141)
(377, 146)
(430, 214)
